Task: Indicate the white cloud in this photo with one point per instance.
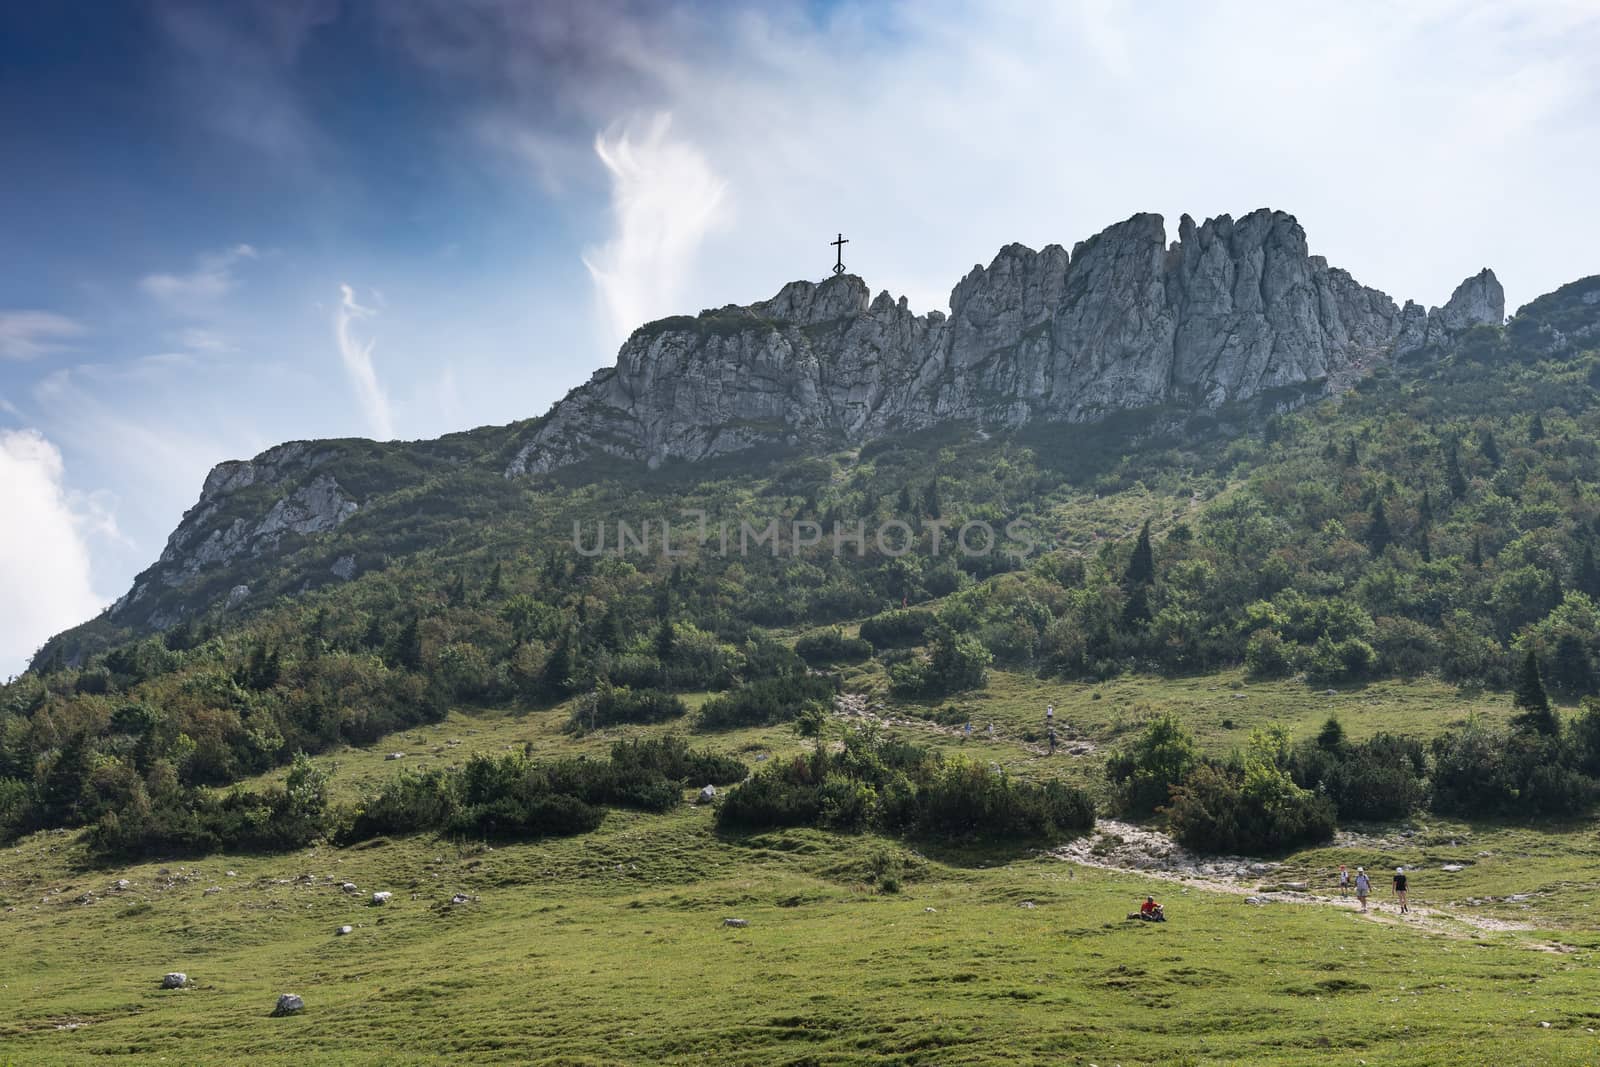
(44, 560)
(357, 357)
(665, 198)
(198, 292)
(201, 340)
(28, 334)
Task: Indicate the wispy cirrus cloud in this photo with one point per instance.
(30, 334)
(198, 291)
(357, 358)
(665, 198)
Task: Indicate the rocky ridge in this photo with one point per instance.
(1232, 310)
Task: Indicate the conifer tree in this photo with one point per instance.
(1536, 429)
(1379, 535)
(1588, 579)
(1142, 565)
(1452, 472)
(1530, 697)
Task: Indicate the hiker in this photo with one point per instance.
(1344, 880)
(1049, 715)
(1363, 887)
(1151, 912)
(1400, 888)
(966, 731)
(1052, 736)
(991, 731)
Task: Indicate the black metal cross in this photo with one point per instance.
(838, 268)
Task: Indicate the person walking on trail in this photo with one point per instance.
(1400, 888)
(1049, 715)
(1363, 887)
(966, 731)
(1344, 880)
(991, 731)
(1052, 736)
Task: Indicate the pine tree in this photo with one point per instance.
(1331, 737)
(1490, 448)
(1352, 454)
(1136, 612)
(1529, 695)
(1142, 564)
(1475, 557)
(1452, 472)
(408, 646)
(1536, 429)
(1425, 548)
(903, 503)
(1379, 535)
(930, 500)
(555, 679)
(1571, 669)
(458, 590)
(1588, 580)
(493, 588)
(1425, 512)
(666, 640)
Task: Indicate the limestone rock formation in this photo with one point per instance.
(1232, 310)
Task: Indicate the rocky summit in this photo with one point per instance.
(1230, 311)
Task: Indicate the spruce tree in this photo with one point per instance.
(1352, 454)
(930, 500)
(1529, 695)
(1536, 429)
(1425, 512)
(1475, 557)
(1379, 535)
(1452, 472)
(458, 590)
(493, 588)
(1490, 448)
(1588, 580)
(1142, 564)
(1571, 669)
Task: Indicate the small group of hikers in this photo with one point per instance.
(1049, 728)
(1362, 883)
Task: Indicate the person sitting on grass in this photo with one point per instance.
(1151, 912)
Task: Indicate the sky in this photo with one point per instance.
(223, 226)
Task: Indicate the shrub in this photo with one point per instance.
(1144, 774)
(955, 662)
(1253, 808)
(897, 629)
(766, 702)
(612, 705)
(832, 646)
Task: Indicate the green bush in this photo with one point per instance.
(1143, 775)
(899, 628)
(613, 705)
(766, 702)
(823, 647)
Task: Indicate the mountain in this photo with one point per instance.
(1231, 311)
(1232, 316)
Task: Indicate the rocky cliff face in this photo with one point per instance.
(245, 510)
(1229, 311)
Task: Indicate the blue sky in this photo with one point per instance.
(227, 225)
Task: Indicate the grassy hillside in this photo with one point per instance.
(1197, 597)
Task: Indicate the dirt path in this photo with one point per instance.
(855, 706)
(1119, 846)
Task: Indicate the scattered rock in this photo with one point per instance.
(1254, 900)
(233, 874)
(761, 757)
(348, 887)
(174, 980)
(212, 889)
(342, 930)
(121, 884)
(1027, 904)
(462, 898)
(707, 795)
(379, 899)
(736, 922)
(288, 1004)
(931, 911)
(1544, 1026)
(1452, 867)
(395, 755)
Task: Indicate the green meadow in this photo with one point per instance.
(611, 947)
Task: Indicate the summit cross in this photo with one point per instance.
(838, 267)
